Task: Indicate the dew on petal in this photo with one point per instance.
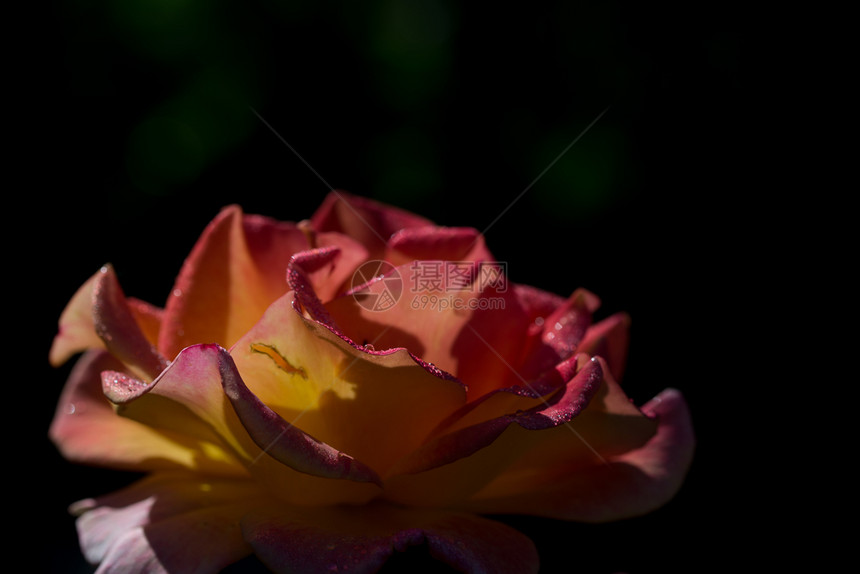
(70, 408)
(539, 321)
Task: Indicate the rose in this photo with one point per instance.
(277, 413)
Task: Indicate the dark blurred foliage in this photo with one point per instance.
(157, 113)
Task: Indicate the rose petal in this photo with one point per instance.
(283, 441)
(236, 269)
(538, 303)
(476, 333)
(455, 244)
(76, 331)
(559, 335)
(115, 324)
(148, 317)
(610, 426)
(518, 398)
(86, 430)
(370, 222)
(297, 466)
(362, 539)
(375, 406)
(609, 339)
(451, 467)
(334, 278)
(466, 440)
(167, 523)
(628, 484)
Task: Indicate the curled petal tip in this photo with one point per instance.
(663, 402)
(280, 439)
(120, 388)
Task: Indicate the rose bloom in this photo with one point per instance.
(280, 407)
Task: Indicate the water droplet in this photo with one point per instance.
(558, 326)
(369, 347)
(70, 408)
(539, 321)
(177, 292)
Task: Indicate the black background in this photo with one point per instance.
(151, 120)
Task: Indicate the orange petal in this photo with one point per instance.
(369, 222)
(236, 269)
(116, 325)
(475, 332)
(609, 339)
(76, 329)
(375, 406)
(195, 382)
(626, 484)
(148, 317)
(86, 429)
(451, 467)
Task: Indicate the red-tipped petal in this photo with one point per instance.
(76, 329)
(284, 442)
(557, 410)
(625, 484)
(235, 270)
(370, 222)
(454, 244)
(86, 430)
(115, 324)
(475, 332)
(190, 394)
(361, 540)
(559, 334)
(609, 339)
(375, 405)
